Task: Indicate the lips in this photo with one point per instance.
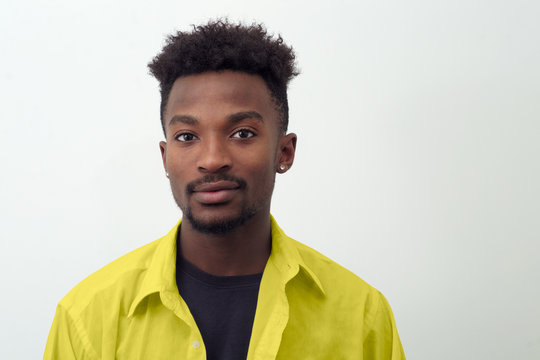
(216, 186)
(216, 192)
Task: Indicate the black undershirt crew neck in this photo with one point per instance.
(223, 308)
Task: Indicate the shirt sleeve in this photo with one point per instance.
(382, 340)
(65, 341)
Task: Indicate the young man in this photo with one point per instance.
(225, 282)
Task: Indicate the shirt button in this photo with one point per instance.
(196, 344)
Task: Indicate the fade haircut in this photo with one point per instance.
(220, 45)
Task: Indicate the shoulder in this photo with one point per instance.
(337, 282)
(351, 298)
(119, 281)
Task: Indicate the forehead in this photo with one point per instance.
(214, 93)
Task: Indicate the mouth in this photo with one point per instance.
(216, 186)
(216, 192)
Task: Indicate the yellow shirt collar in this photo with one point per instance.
(161, 274)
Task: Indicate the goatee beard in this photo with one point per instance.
(219, 226)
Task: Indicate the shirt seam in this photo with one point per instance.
(370, 319)
(81, 334)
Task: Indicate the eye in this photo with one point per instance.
(185, 137)
(243, 134)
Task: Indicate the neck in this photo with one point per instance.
(242, 251)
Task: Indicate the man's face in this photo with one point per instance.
(223, 148)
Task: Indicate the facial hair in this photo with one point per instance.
(219, 226)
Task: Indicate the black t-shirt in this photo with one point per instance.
(223, 308)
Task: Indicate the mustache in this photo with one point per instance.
(212, 178)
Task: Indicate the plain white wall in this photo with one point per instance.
(417, 164)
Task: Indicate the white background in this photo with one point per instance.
(417, 164)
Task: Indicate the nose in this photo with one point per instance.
(214, 156)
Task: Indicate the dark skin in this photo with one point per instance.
(224, 126)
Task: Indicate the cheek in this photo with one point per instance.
(177, 188)
(178, 162)
(263, 173)
(259, 163)
(178, 173)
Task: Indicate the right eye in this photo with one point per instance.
(185, 137)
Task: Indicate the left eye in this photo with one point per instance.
(243, 134)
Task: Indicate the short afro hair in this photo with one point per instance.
(220, 45)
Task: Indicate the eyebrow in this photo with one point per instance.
(234, 118)
(185, 119)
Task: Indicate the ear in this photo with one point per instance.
(163, 149)
(287, 148)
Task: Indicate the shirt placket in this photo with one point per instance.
(175, 303)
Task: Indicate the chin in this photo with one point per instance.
(218, 225)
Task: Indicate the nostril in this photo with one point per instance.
(214, 168)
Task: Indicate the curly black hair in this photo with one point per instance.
(220, 45)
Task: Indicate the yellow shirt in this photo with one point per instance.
(308, 307)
